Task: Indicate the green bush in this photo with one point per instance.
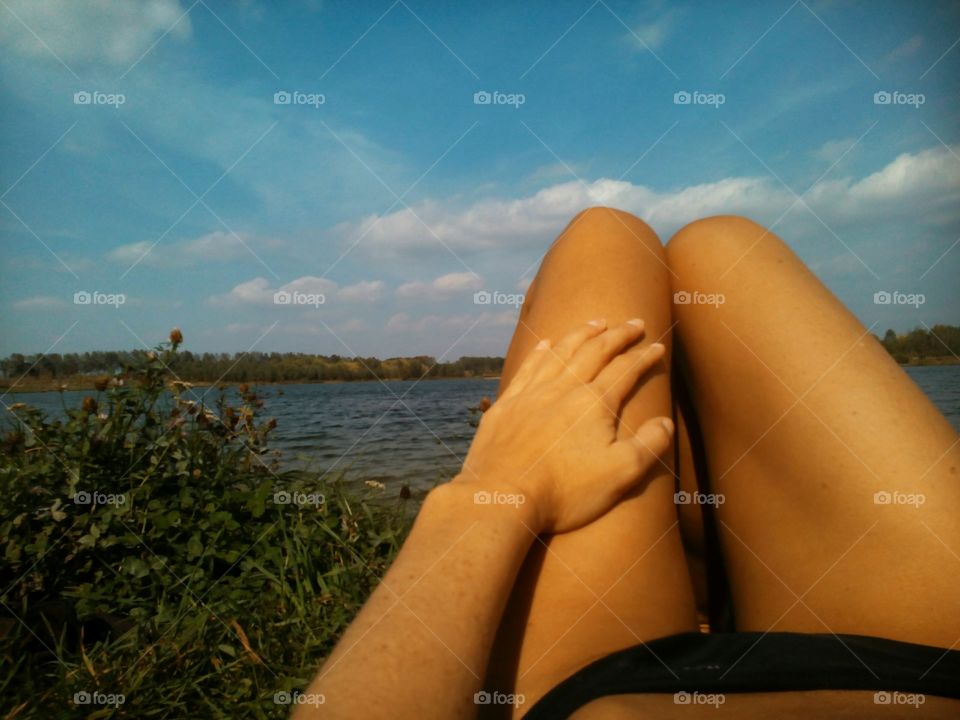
(153, 550)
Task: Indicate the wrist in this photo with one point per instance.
(490, 500)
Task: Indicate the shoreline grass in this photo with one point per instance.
(158, 564)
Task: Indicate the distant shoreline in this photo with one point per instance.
(87, 383)
(73, 384)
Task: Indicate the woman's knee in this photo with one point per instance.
(608, 230)
(705, 250)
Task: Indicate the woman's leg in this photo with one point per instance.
(840, 478)
(622, 579)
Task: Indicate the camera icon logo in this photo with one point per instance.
(281, 97)
(681, 98)
(882, 297)
(882, 497)
(882, 97)
(681, 297)
(282, 297)
(682, 497)
(482, 297)
(282, 497)
(482, 698)
(82, 98)
(482, 497)
(82, 497)
(482, 97)
(82, 698)
(82, 298)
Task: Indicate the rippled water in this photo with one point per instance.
(410, 432)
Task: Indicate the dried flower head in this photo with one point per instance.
(176, 337)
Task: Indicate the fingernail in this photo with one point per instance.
(635, 321)
(599, 322)
(658, 346)
(667, 425)
(542, 345)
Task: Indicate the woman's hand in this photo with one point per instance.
(551, 439)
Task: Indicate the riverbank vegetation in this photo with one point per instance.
(938, 345)
(81, 370)
(156, 563)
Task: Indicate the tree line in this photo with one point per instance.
(938, 341)
(249, 366)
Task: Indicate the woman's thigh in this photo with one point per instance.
(839, 480)
(622, 579)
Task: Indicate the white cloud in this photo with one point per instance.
(910, 183)
(364, 291)
(441, 287)
(93, 30)
(926, 179)
(214, 246)
(652, 34)
(40, 302)
(905, 50)
(259, 291)
(832, 150)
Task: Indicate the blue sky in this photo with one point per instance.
(396, 199)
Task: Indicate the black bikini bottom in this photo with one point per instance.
(695, 666)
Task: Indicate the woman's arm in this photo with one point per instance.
(545, 459)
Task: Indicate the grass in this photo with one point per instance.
(157, 563)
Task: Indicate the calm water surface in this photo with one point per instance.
(409, 432)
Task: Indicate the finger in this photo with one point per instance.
(594, 354)
(564, 350)
(621, 376)
(634, 456)
(528, 368)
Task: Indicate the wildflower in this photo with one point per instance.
(89, 405)
(176, 337)
(485, 404)
(196, 473)
(100, 384)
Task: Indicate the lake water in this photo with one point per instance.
(409, 432)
